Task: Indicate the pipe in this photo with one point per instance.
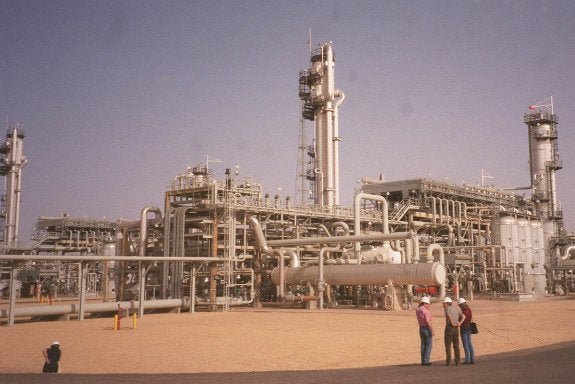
(434, 210)
(567, 251)
(142, 289)
(82, 277)
(12, 299)
(281, 266)
(294, 259)
(262, 245)
(367, 181)
(327, 112)
(341, 239)
(341, 224)
(65, 309)
(14, 259)
(396, 246)
(415, 249)
(144, 226)
(259, 234)
(106, 258)
(265, 246)
(321, 226)
(321, 281)
(193, 289)
(17, 203)
(423, 226)
(357, 217)
(320, 188)
(429, 259)
(336, 140)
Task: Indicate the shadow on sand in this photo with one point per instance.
(550, 364)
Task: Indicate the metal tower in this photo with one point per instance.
(300, 189)
(12, 161)
(544, 162)
(321, 103)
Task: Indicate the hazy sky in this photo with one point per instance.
(118, 97)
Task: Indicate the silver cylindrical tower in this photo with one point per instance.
(12, 161)
(544, 162)
(321, 101)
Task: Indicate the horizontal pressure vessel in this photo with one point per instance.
(366, 274)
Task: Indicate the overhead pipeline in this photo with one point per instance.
(68, 309)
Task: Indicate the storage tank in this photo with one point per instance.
(538, 244)
(536, 266)
(509, 238)
(525, 242)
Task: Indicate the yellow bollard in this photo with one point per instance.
(115, 322)
(134, 321)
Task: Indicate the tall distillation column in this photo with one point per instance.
(321, 103)
(544, 162)
(12, 161)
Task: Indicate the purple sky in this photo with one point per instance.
(118, 97)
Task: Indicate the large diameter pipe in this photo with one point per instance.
(341, 239)
(366, 274)
(429, 258)
(341, 97)
(267, 250)
(567, 251)
(65, 309)
(144, 226)
(321, 280)
(357, 218)
(260, 238)
(357, 213)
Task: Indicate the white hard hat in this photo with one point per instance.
(447, 300)
(461, 300)
(55, 342)
(425, 299)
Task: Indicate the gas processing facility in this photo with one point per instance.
(221, 241)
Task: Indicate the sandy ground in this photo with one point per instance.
(273, 339)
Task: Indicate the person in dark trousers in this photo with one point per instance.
(465, 331)
(453, 319)
(52, 357)
(425, 329)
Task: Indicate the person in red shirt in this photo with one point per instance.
(425, 329)
(465, 331)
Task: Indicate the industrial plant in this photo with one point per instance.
(220, 241)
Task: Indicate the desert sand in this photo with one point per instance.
(277, 339)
